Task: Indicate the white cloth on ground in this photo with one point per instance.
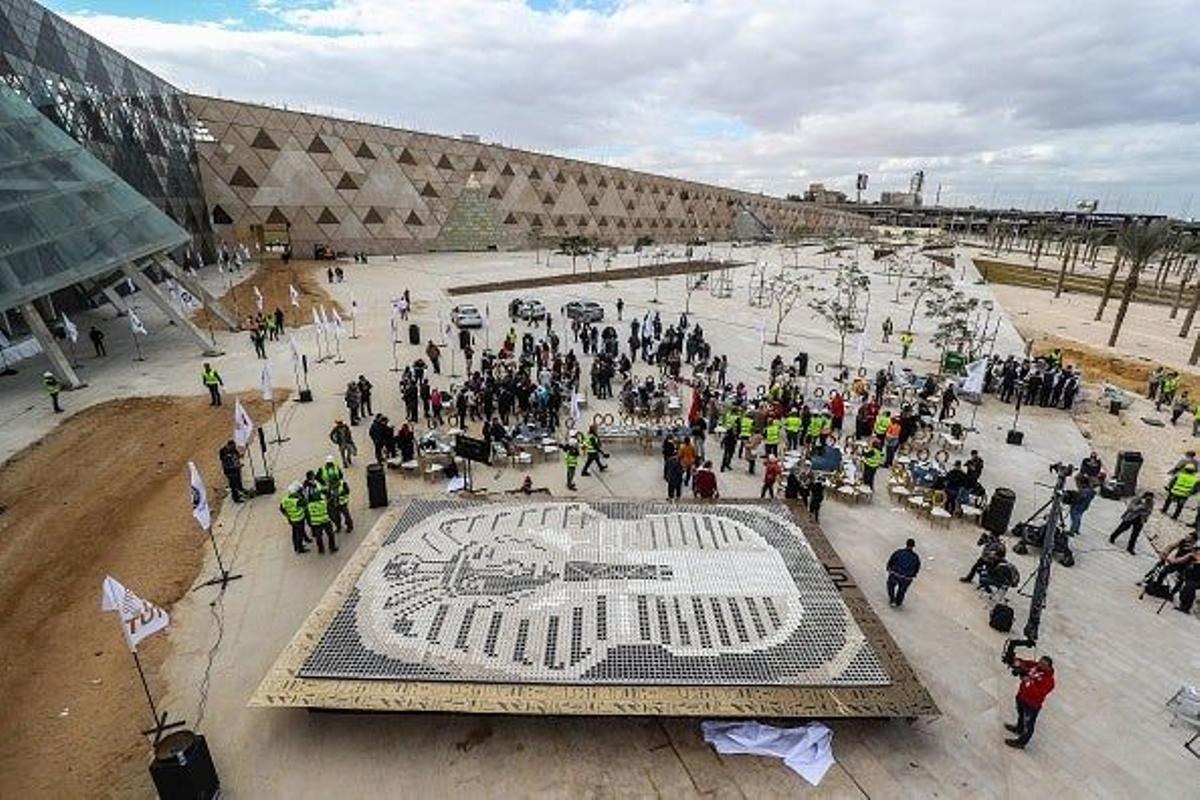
(807, 749)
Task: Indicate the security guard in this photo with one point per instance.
(212, 381)
(592, 450)
(745, 428)
(771, 436)
(906, 341)
(816, 424)
(319, 522)
(791, 424)
(330, 474)
(882, 421)
(339, 505)
(52, 387)
(292, 508)
(571, 458)
(1182, 487)
(872, 461)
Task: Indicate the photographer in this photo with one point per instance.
(1037, 682)
(994, 551)
(1133, 518)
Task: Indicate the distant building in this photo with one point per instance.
(904, 199)
(817, 193)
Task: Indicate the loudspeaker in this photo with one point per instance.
(1015, 437)
(1001, 617)
(414, 334)
(183, 769)
(305, 395)
(377, 496)
(264, 484)
(999, 511)
(801, 361)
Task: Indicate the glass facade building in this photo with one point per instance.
(64, 216)
(129, 118)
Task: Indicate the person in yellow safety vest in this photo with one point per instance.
(745, 428)
(816, 424)
(883, 421)
(1170, 386)
(729, 418)
(906, 340)
(791, 424)
(212, 381)
(339, 505)
(1196, 421)
(329, 474)
(592, 450)
(1182, 487)
(771, 436)
(571, 458)
(292, 508)
(318, 520)
(872, 461)
(52, 387)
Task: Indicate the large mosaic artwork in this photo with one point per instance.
(596, 593)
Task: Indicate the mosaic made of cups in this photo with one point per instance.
(596, 593)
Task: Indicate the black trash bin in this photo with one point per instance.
(376, 486)
(414, 334)
(801, 362)
(999, 511)
(1129, 464)
(182, 768)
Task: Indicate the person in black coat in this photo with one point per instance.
(902, 569)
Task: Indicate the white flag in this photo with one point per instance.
(338, 330)
(265, 382)
(295, 350)
(325, 319)
(199, 498)
(294, 295)
(139, 618)
(70, 329)
(316, 317)
(976, 372)
(135, 323)
(129, 285)
(243, 426)
(258, 299)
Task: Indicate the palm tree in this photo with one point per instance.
(1040, 233)
(1188, 248)
(1068, 239)
(1137, 244)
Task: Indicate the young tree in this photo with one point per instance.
(575, 246)
(935, 278)
(842, 304)
(950, 309)
(1137, 244)
(783, 292)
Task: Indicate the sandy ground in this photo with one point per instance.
(105, 493)
(273, 279)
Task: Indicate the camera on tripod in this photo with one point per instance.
(1062, 470)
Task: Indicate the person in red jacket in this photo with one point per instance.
(1037, 682)
(771, 474)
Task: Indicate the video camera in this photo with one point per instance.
(1062, 470)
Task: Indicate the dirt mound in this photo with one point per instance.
(1103, 366)
(72, 702)
(596, 276)
(273, 279)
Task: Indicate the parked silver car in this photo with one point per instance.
(584, 310)
(466, 317)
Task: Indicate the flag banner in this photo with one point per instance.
(325, 323)
(70, 329)
(129, 285)
(135, 323)
(295, 347)
(189, 300)
(265, 380)
(316, 317)
(295, 295)
(139, 618)
(976, 373)
(258, 299)
(173, 295)
(338, 329)
(392, 323)
(200, 508)
(243, 426)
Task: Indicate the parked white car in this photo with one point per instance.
(466, 317)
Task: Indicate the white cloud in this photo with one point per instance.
(1014, 102)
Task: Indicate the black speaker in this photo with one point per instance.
(1001, 617)
(305, 396)
(1129, 464)
(182, 768)
(414, 334)
(999, 511)
(264, 484)
(802, 364)
(377, 496)
(1015, 437)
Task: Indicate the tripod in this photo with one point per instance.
(1062, 546)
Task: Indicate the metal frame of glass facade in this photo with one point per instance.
(126, 116)
(64, 216)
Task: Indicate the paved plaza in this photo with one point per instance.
(1105, 732)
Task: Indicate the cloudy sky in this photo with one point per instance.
(1023, 102)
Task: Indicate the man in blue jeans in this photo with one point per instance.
(902, 568)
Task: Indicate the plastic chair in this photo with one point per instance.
(937, 508)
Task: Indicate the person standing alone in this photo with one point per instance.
(212, 381)
(902, 569)
(53, 388)
(1037, 682)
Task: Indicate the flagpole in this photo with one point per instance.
(160, 721)
(279, 437)
(354, 319)
(337, 340)
(223, 578)
(395, 359)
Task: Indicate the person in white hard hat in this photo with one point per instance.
(292, 508)
(52, 387)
